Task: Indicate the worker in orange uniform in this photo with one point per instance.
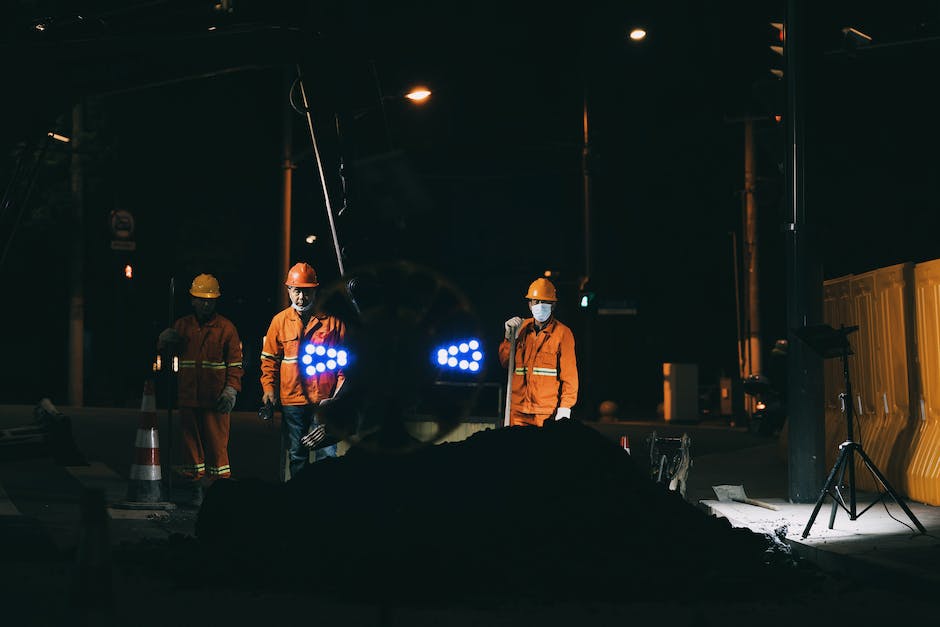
(545, 379)
(283, 378)
(210, 373)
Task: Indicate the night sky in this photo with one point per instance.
(482, 184)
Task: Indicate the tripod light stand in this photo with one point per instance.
(829, 342)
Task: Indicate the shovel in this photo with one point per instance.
(736, 493)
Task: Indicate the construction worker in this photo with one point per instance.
(545, 378)
(282, 377)
(210, 373)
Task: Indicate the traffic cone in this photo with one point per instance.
(145, 489)
(625, 443)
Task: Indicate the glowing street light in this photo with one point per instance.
(637, 34)
(418, 94)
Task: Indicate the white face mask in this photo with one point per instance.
(302, 309)
(541, 312)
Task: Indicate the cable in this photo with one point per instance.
(33, 175)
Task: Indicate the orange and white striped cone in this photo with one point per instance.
(625, 443)
(145, 489)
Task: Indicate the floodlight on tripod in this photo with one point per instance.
(830, 342)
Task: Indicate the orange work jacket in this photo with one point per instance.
(210, 358)
(545, 374)
(280, 366)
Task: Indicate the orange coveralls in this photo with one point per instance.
(545, 373)
(210, 359)
(280, 369)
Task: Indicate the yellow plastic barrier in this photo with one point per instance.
(923, 469)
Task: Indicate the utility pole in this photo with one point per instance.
(805, 419)
(76, 266)
(587, 342)
(287, 133)
(753, 354)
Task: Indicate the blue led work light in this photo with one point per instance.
(318, 358)
(463, 355)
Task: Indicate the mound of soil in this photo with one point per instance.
(557, 512)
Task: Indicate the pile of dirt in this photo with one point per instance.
(556, 512)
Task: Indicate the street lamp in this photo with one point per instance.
(418, 94)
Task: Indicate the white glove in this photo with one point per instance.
(168, 336)
(562, 412)
(512, 326)
(226, 400)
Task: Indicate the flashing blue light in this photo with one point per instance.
(462, 356)
(318, 358)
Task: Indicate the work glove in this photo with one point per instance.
(168, 337)
(562, 413)
(268, 398)
(226, 400)
(512, 326)
(316, 435)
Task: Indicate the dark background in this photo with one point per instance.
(184, 131)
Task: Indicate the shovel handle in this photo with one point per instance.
(757, 503)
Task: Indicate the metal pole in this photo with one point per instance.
(287, 187)
(587, 380)
(170, 390)
(316, 152)
(753, 296)
(77, 265)
(737, 304)
(805, 420)
(511, 367)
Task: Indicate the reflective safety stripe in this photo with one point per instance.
(209, 365)
(520, 370)
(268, 356)
(221, 470)
(235, 364)
(290, 360)
(546, 372)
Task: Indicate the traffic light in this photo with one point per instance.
(587, 300)
(777, 40)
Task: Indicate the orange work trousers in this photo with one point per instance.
(205, 443)
(517, 418)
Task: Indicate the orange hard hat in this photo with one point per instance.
(542, 289)
(302, 275)
(205, 286)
